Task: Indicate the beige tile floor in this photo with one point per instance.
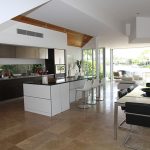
(75, 129)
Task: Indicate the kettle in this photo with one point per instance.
(45, 79)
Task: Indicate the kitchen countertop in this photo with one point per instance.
(59, 81)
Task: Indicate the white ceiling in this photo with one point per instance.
(10, 9)
(105, 19)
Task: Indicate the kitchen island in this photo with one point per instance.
(52, 98)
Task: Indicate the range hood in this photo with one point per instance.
(140, 30)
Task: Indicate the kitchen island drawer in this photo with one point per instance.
(37, 105)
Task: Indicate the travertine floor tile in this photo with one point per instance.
(75, 129)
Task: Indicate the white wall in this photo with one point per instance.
(52, 39)
(73, 54)
(8, 35)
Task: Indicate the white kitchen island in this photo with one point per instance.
(50, 99)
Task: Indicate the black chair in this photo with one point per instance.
(148, 84)
(122, 93)
(136, 114)
(129, 89)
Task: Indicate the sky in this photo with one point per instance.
(129, 53)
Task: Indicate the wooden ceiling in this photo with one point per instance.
(73, 38)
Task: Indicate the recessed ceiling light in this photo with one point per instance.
(137, 13)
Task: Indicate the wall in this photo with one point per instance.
(8, 35)
(51, 39)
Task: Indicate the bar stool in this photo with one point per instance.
(87, 87)
(97, 84)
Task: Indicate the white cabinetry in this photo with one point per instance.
(59, 56)
(37, 99)
(43, 53)
(37, 105)
(45, 99)
(73, 86)
(60, 98)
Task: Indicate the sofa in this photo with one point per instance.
(126, 82)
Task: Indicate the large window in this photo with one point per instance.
(89, 62)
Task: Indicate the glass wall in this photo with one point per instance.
(100, 57)
(89, 62)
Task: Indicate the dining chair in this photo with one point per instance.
(136, 114)
(122, 93)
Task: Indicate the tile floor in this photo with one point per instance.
(75, 129)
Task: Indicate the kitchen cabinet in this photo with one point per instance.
(59, 56)
(7, 51)
(13, 88)
(60, 98)
(37, 105)
(31, 52)
(42, 53)
(37, 99)
(11, 51)
(47, 100)
(26, 52)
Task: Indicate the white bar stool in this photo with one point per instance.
(97, 85)
(87, 87)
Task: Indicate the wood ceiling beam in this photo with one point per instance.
(73, 38)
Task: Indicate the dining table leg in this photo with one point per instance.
(115, 120)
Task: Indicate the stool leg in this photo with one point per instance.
(98, 92)
(76, 96)
(92, 100)
(84, 105)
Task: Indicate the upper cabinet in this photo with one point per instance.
(26, 52)
(9, 51)
(43, 53)
(31, 52)
(59, 56)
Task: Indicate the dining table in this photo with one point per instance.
(135, 96)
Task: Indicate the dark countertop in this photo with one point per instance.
(58, 81)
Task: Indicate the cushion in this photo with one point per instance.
(127, 78)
